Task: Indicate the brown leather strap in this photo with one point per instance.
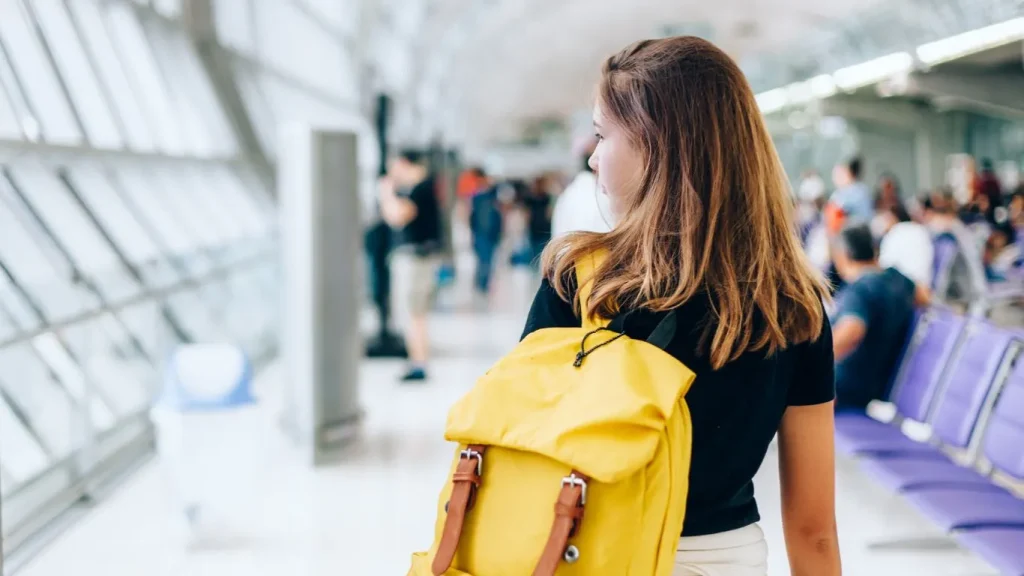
(465, 482)
(568, 519)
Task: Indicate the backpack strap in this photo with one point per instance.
(665, 331)
(585, 269)
(568, 519)
(465, 483)
(662, 334)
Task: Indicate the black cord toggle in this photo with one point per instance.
(583, 353)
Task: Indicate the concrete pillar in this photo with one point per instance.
(321, 251)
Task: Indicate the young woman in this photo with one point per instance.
(704, 226)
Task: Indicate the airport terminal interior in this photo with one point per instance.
(230, 339)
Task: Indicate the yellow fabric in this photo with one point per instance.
(585, 270)
(620, 418)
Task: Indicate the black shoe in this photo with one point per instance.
(414, 375)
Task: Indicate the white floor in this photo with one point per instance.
(363, 516)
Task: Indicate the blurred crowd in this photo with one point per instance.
(889, 254)
(886, 252)
(956, 247)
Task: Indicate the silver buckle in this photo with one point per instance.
(469, 455)
(574, 480)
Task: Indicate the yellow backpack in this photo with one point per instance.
(573, 458)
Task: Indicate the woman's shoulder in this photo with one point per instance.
(550, 310)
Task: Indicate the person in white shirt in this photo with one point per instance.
(582, 207)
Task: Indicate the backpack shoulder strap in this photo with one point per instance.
(585, 269)
(665, 331)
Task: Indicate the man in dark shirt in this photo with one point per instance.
(871, 322)
(408, 203)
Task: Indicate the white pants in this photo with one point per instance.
(741, 552)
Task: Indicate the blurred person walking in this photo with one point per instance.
(538, 204)
(485, 225)
(810, 199)
(852, 197)
(409, 204)
(679, 134)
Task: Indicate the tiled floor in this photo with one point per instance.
(365, 515)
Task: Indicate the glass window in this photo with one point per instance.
(5, 480)
(340, 16)
(233, 19)
(133, 46)
(149, 199)
(138, 128)
(193, 309)
(259, 110)
(169, 8)
(8, 325)
(251, 215)
(121, 224)
(10, 128)
(14, 306)
(188, 197)
(24, 456)
(259, 189)
(249, 313)
(180, 92)
(75, 68)
(148, 323)
(194, 96)
(291, 103)
(52, 351)
(108, 356)
(287, 36)
(54, 203)
(194, 220)
(223, 215)
(35, 263)
(45, 404)
(37, 76)
(11, 91)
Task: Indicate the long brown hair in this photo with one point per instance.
(712, 213)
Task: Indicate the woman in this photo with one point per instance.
(704, 226)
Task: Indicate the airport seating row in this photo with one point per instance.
(955, 446)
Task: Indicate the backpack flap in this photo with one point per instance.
(603, 416)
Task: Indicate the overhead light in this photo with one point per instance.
(822, 86)
(866, 73)
(800, 92)
(772, 100)
(970, 42)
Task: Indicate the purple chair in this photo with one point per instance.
(1001, 547)
(913, 395)
(977, 368)
(971, 508)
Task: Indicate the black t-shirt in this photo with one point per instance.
(424, 231)
(736, 410)
(540, 221)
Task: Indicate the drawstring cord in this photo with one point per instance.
(583, 353)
